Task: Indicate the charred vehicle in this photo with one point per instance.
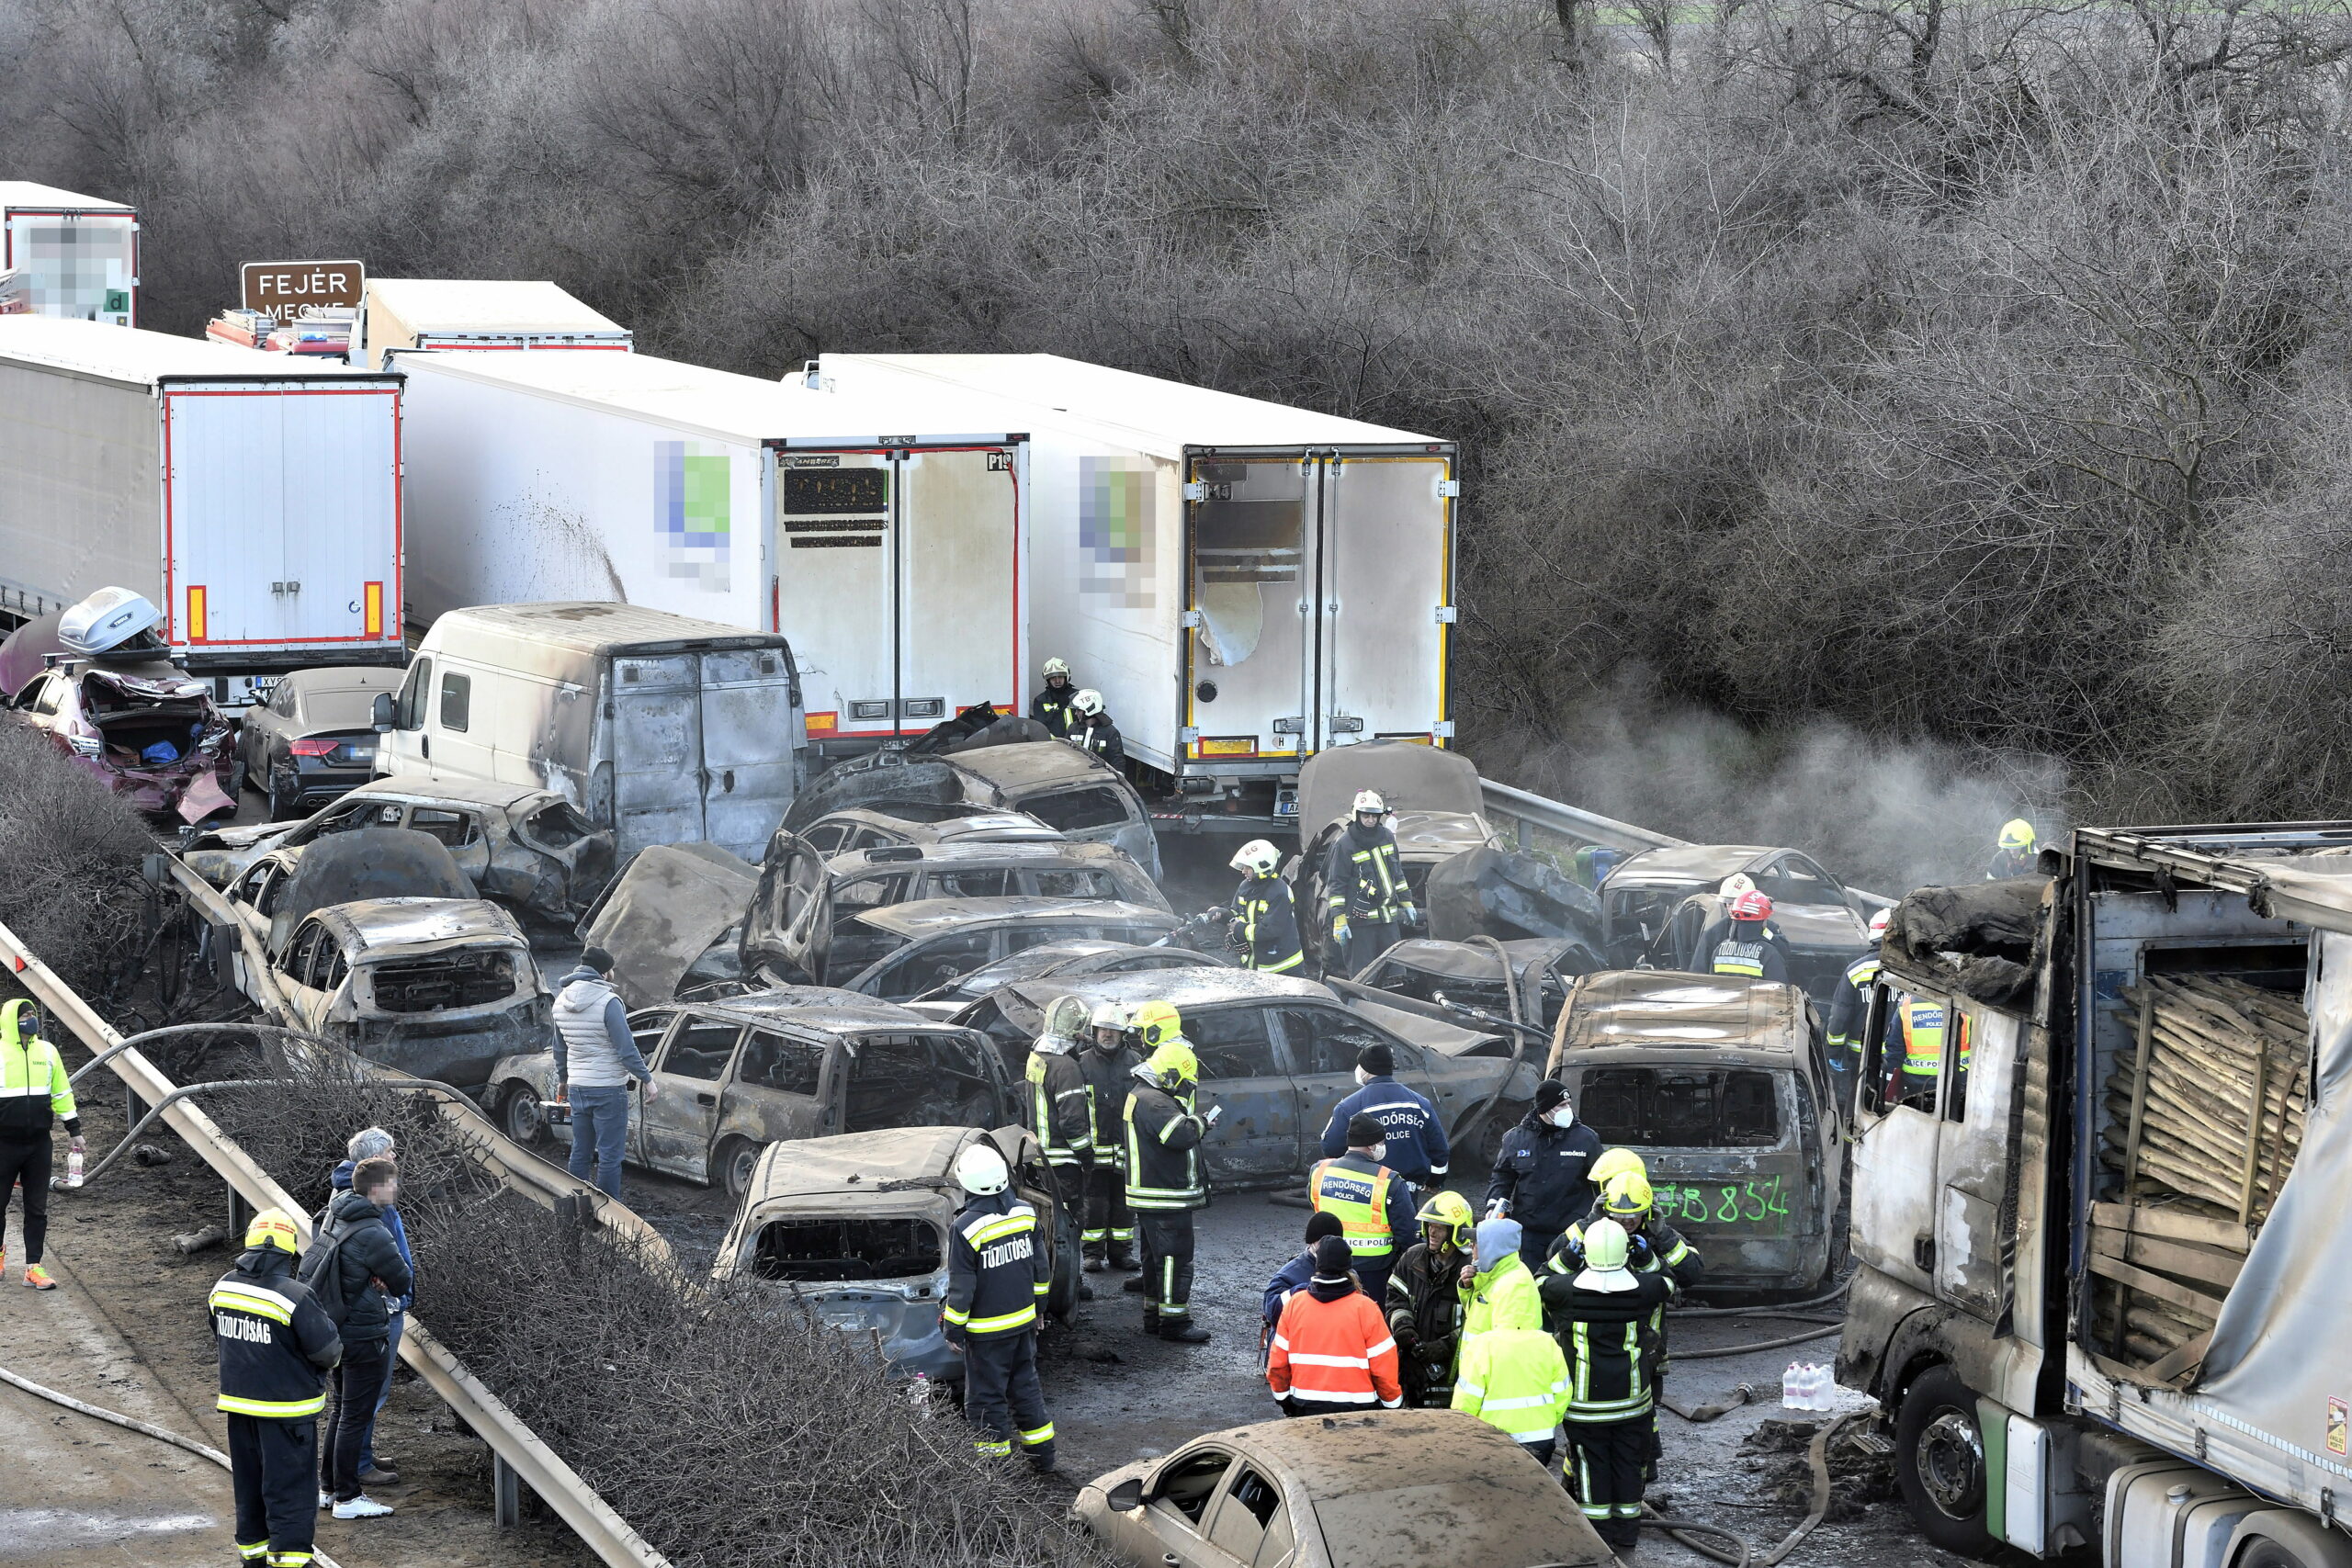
(99, 682)
(521, 846)
(1721, 1086)
(1657, 906)
(741, 1073)
(901, 951)
(806, 900)
(853, 1228)
(1278, 1053)
(1525, 982)
(673, 923)
(1432, 795)
(1071, 960)
(1077, 795)
(913, 822)
(1386, 1489)
(313, 739)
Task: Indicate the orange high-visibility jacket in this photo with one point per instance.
(1339, 1352)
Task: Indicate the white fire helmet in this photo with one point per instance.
(1878, 925)
(1369, 800)
(1058, 667)
(1258, 858)
(1737, 883)
(1089, 702)
(980, 1170)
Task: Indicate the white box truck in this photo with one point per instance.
(468, 313)
(1244, 583)
(888, 547)
(254, 497)
(74, 256)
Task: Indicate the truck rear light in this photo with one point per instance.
(1230, 746)
(824, 723)
(195, 615)
(314, 746)
(372, 599)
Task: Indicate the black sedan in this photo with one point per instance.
(315, 739)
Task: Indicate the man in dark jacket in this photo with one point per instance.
(1414, 1135)
(1050, 707)
(1375, 1204)
(999, 1273)
(1601, 1317)
(1746, 952)
(1110, 1235)
(1425, 1299)
(1364, 892)
(273, 1341)
(1542, 1176)
(1093, 732)
(354, 1264)
(1292, 1278)
(374, 1142)
(1059, 1117)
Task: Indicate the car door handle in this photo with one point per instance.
(1923, 1252)
(705, 1100)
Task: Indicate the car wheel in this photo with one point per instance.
(737, 1160)
(281, 806)
(522, 1116)
(1484, 1142)
(1939, 1462)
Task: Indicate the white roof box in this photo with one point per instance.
(106, 619)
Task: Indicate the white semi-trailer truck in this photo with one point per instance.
(67, 255)
(474, 315)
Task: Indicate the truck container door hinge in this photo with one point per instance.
(1188, 735)
(1442, 729)
(1196, 490)
(1445, 613)
(1449, 490)
(1192, 617)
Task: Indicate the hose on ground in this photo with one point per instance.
(1817, 1458)
(1719, 1352)
(1684, 1529)
(1700, 1415)
(131, 1423)
(1784, 1309)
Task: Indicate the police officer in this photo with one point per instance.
(1850, 1010)
(33, 1089)
(1164, 1184)
(1542, 1176)
(1744, 950)
(998, 1274)
(1050, 707)
(2015, 854)
(1091, 731)
(1415, 1137)
(1375, 1204)
(1915, 1030)
(1364, 887)
(1060, 1111)
(1110, 1237)
(274, 1344)
(1265, 916)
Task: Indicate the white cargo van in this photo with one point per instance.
(474, 315)
(662, 728)
(888, 546)
(1244, 583)
(77, 257)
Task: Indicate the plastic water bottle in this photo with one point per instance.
(1817, 1387)
(73, 1168)
(1792, 1386)
(919, 1396)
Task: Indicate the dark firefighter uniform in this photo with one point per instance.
(1848, 1015)
(1748, 952)
(34, 1088)
(1366, 896)
(1164, 1187)
(1657, 1248)
(1611, 1408)
(274, 1344)
(1095, 735)
(1425, 1315)
(998, 1275)
(1061, 1116)
(1110, 1226)
(1050, 707)
(1375, 1207)
(1265, 924)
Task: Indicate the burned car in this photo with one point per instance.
(1386, 1489)
(901, 951)
(1278, 1053)
(1524, 982)
(1432, 795)
(738, 1074)
(1072, 959)
(1077, 795)
(914, 822)
(853, 1228)
(806, 900)
(672, 920)
(1646, 917)
(114, 702)
(1722, 1087)
(521, 845)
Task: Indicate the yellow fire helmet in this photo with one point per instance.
(1614, 1163)
(2017, 833)
(1174, 1064)
(273, 1227)
(1451, 1209)
(1158, 1023)
(1627, 1198)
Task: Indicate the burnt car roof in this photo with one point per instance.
(969, 817)
(929, 917)
(368, 865)
(1029, 765)
(1188, 985)
(1409, 775)
(1055, 851)
(858, 1162)
(818, 1007)
(1661, 1008)
(469, 792)
(1687, 863)
(379, 925)
(1475, 961)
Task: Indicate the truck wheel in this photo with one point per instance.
(1483, 1144)
(521, 1117)
(1939, 1462)
(737, 1159)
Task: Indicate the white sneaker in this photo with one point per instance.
(362, 1507)
(326, 1498)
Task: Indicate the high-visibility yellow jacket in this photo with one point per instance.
(1515, 1380)
(33, 1082)
(1502, 1297)
(1370, 1202)
(1922, 1024)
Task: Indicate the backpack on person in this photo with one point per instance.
(321, 1266)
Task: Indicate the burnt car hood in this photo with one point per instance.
(664, 912)
(1409, 775)
(365, 865)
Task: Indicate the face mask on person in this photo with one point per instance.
(1362, 1078)
(1563, 1115)
(1378, 1152)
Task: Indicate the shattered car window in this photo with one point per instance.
(820, 1249)
(456, 830)
(933, 963)
(1233, 1043)
(1075, 810)
(777, 1062)
(1070, 883)
(914, 1080)
(701, 1051)
(556, 827)
(969, 884)
(1662, 1108)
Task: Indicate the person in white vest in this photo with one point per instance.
(596, 1063)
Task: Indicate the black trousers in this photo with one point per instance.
(351, 1411)
(1110, 1225)
(1167, 1236)
(1003, 1398)
(1608, 1457)
(30, 1162)
(269, 1466)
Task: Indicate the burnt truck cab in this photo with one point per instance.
(854, 1230)
(1721, 1086)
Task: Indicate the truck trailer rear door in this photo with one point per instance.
(1383, 527)
(1250, 663)
(959, 609)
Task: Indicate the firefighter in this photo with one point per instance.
(1543, 1172)
(1408, 1120)
(1050, 707)
(1600, 1318)
(1654, 1246)
(1164, 1184)
(1744, 950)
(1091, 731)
(1375, 1204)
(997, 1273)
(1060, 1113)
(274, 1344)
(1424, 1299)
(1265, 915)
(1850, 1010)
(33, 1089)
(1363, 882)
(1110, 1237)
(2015, 854)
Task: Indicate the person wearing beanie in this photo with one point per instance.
(1332, 1352)
(596, 1063)
(1408, 1120)
(1292, 1278)
(1602, 1318)
(1498, 1288)
(1375, 1204)
(1542, 1173)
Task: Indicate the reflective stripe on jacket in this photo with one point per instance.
(273, 1340)
(1269, 915)
(1363, 879)
(1163, 1151)
(1109, 1076)
(1060, 1111)
(1364, 1197)
(998, 1270)
(1338, 1352)
(33, 1082)
(1502, 1297)
(1852, 1009)
(1923, 1025)
(1605, 1336)
(1515, 1380)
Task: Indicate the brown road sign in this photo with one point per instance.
(281, 289)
